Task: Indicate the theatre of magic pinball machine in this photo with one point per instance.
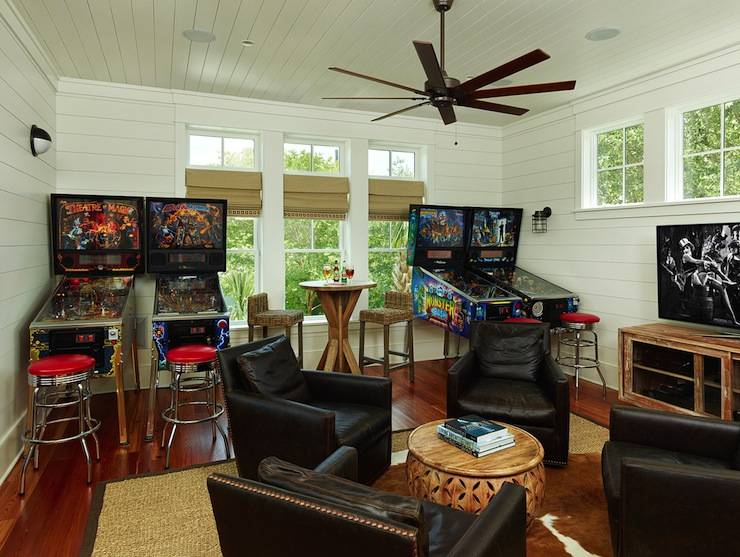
(97, 245)
(465, 269)
(187, 249)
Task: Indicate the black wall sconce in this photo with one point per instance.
(40, 141)
(539, 220)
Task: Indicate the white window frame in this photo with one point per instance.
(590, 164)
(341, 249)
(677, 194)
(400, 149)
(340, 145)
(254, 251)
(228, 134)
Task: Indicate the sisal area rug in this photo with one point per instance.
(170, 513)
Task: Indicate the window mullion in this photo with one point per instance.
(722, 150)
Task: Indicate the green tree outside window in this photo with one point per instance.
(711, 151)
(619, 166)
(237, 282)
(386, 259)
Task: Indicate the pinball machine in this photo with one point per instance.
(187, 249)
(444, 291)
(97, 247)
(464, 270)
(492, 250)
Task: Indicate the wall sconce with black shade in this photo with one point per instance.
(40, 141)
(539, 220)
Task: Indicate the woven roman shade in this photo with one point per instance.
(315, 197)
(242, 190)
(390, 199)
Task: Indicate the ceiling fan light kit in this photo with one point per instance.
(445, 92)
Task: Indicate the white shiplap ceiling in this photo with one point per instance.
(140, 42)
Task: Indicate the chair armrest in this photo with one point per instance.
(257, 519)
(460, 377)
(263, 427)
(500, 530)
(552, 379)
(708, 437)
(669, 509)
(343, 387)
(342, 463)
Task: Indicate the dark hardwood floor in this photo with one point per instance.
(51, 518)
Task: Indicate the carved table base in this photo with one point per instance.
(469, 493)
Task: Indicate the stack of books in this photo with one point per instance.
(475, 435)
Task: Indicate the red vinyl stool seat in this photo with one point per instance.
(574, 325)
(61, 364)
(579, 317)
(194, 370)
(191, 354)
(522, 320)
(67, 377)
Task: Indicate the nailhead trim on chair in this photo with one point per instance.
(410, 534)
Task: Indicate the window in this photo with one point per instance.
(238, 282)
(217, 151)
(310, 157)
(711, 151)
(618, 177)
(309, 245)
(387, 259)
(391, 163)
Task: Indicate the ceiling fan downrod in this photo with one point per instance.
(442, 6)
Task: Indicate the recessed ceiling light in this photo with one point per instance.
(199, 36)
(247, 42)
(602, 33)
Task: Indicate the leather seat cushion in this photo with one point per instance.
(615, 451)
(444, 526)
(272, 370)
(509, 400)
(507, 350)
(356, 425)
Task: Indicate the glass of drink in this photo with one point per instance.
(350, 270)
(327, 271)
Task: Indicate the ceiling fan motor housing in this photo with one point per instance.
(442, 5)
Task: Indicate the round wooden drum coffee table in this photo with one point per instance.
(449, 476)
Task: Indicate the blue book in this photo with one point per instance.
(476, 428)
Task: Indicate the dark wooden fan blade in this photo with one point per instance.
(399, 111)
(523, 89)
(448, 114)
(376, 80)
(429, 62)
(494, 107)
(376, 98)
(505, 70)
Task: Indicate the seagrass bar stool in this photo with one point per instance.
(194, 369)
(259, 315)
(396, 309)
(59, 381)
(574, 324)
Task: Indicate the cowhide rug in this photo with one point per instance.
(574, 520)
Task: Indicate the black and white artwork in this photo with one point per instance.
(699, 273)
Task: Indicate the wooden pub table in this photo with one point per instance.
(339, 301)
(444, 474)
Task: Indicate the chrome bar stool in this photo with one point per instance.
(194, 369)
(59, 381)
(574, 324)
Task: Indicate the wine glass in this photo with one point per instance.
(327, 270)
(350, 270)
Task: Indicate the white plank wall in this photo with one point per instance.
(27, 97)
(130, 140)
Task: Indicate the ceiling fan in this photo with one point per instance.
(443, 91)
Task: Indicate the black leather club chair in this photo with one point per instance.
(672, 484)
(342, 410)
(292, 511)
(509, 376)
